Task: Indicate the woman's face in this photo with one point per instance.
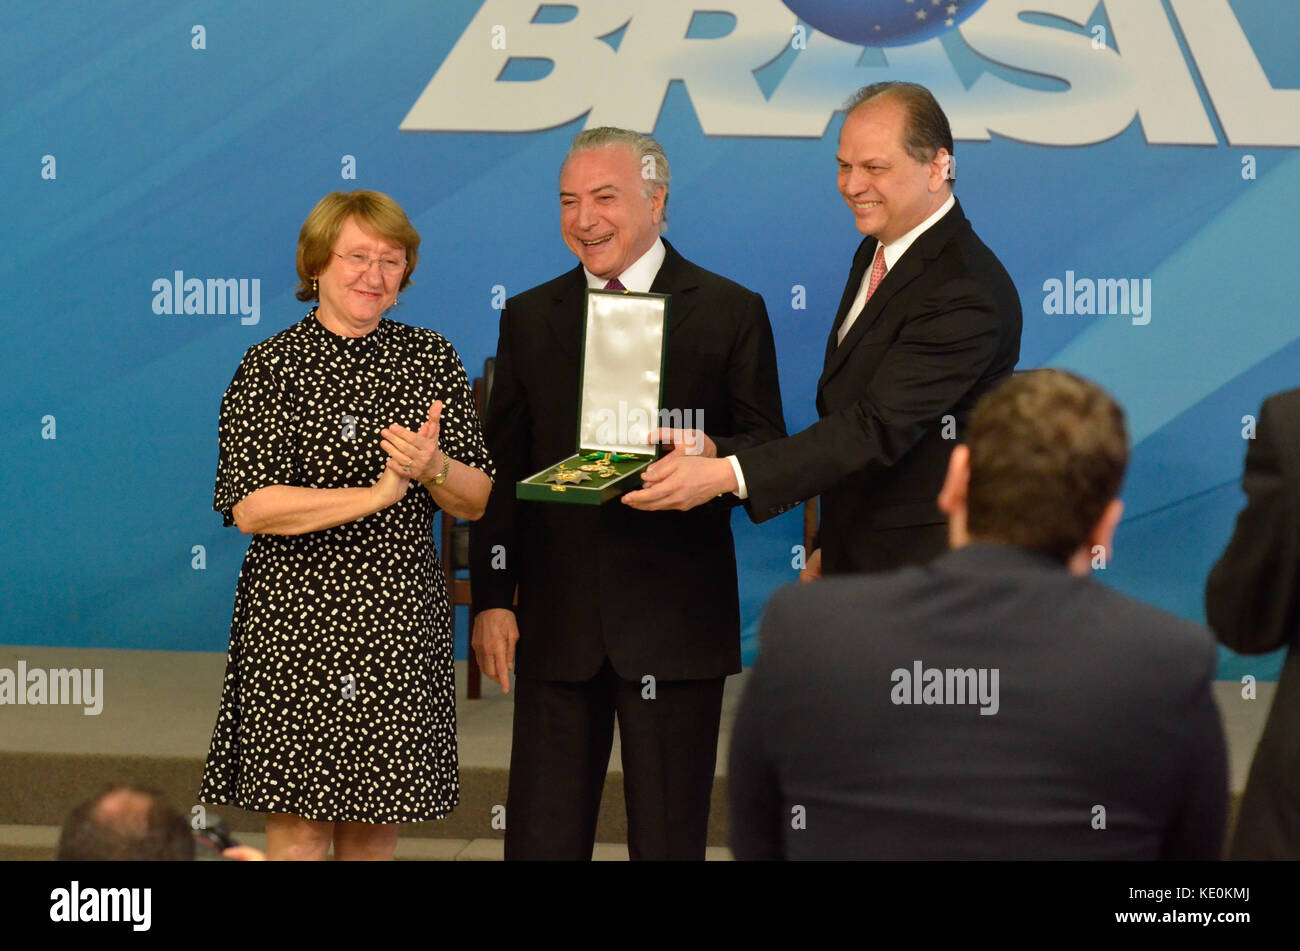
(353, 298)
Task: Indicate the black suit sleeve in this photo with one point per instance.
(941, 352)
(1251, 594)
(753, 389)
(494, 549)
(1197, 832)
(753, 789)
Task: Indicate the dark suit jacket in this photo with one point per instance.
(1102, 701)
(942, 328)
(1252, 601)
(653, 591)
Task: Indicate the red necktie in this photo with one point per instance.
(614, 284)
(877, 275)
(877, 272)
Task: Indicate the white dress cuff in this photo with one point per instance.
(741, 492)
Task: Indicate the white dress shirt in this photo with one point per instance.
(893, 251)
(640, 274)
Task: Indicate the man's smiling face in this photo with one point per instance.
(888, 191)
(605, 217)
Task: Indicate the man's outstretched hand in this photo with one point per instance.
(690, 475)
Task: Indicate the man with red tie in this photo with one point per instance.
(929, 321)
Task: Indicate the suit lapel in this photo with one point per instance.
(859, 267)
(906, 270)
(898, 277)
(566, 314)
(676, 278)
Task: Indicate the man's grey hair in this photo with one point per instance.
(649, 154)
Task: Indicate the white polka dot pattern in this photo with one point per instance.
(339, 697)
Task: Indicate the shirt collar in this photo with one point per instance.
(640, 275)
(895, 249)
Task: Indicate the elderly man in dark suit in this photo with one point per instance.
(996, 703)
(929, 320)
(620, 613)
(1252, 600)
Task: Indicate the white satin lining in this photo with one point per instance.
(621, 368)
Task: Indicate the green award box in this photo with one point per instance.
(623, 343)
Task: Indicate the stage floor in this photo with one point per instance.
(156, 722)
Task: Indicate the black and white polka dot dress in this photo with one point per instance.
(339, 699)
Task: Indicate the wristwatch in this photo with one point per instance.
(441, 477)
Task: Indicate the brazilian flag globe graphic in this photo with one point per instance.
(883, 22)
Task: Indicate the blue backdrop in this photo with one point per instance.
(1152, 142)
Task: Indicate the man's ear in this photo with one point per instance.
(1103, 533)
(943, 169)
(657, 199)
(952, 497)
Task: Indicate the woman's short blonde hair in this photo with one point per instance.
(374, 211)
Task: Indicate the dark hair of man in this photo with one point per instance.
(1048, 451)
(926, 129)
(125, 824)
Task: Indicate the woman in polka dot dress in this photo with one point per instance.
(340, 437)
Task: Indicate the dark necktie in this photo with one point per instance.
(614, 284)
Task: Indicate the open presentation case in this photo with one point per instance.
(624, 340)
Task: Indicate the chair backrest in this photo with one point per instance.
(489, 370)
(455, 533)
